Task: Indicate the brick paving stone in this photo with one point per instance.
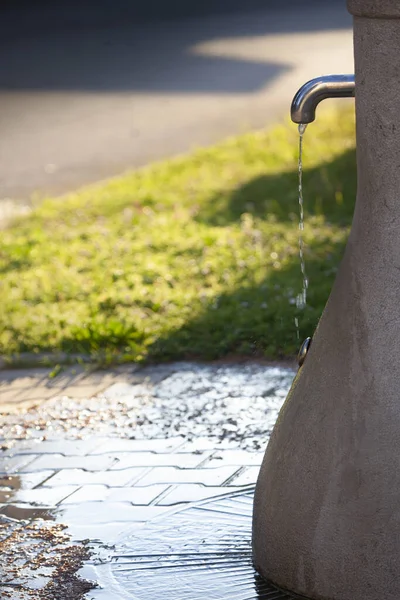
(33, 386)
(109, 532)
(64, 447)
(247, 477)
(23, 378)
(205, 476)
(193, 493)
(58, 461)
(107, 478)
(207, 444)
(122, 390)
(241, 458)
(25, 512)
(21, 447)
(151, 459)
(139, 496)
(14, 464)
(108, 512)
(88, 493)
(41, 496)
(12, 397)
(132, 396)
(161, 446)
(25, 481)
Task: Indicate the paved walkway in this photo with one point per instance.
(104, 453)
(23, 388)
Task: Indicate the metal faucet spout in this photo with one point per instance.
(313, 92)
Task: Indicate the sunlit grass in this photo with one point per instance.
(196, 257)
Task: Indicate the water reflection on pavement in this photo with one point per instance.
(171, 437)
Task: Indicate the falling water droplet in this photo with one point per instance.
(302, 128)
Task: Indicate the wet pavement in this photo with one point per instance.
(202, 552)
(38, 560)
(152, 445)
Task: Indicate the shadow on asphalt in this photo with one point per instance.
(121, 46)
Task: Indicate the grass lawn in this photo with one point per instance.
(192, 257)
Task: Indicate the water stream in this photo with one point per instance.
(301, 299)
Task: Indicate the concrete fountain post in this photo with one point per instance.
(326, 521)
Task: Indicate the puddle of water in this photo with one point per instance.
(10, 482)
(8, 486)
(5, 495)
(39, 561)
(301, 299)
(225, 404)
(199, 553)
(25, 513)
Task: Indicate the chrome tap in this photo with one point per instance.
(313, 92)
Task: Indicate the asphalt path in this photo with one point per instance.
(88, 95)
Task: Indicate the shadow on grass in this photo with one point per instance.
(329, 190)
(259, 320)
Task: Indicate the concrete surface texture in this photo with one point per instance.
(379, 9)
(86, 94)
(326, 505)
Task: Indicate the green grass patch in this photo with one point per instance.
(192, 257)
